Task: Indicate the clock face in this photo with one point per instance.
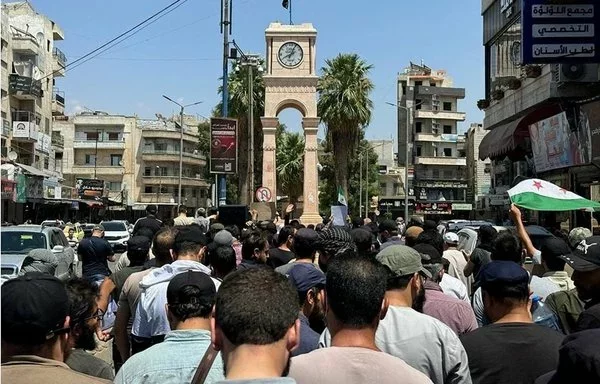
(290, 54)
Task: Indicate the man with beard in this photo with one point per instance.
(309, 281)
(355, 304)
(255, 326)
(423, 342)
(35, 332)
(85, 316)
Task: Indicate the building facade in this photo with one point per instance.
(437, 158)
(543, 119)
(391, 179)
(31, 64)
(478, 171)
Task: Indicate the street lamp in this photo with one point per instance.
(181, 140)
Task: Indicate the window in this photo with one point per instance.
(418, 103)
(417, 83)
(147, 189)
(435, 173)
(46, 163)
(194, 192)
(147, 171)
(91, 135)
(432, 84)
(90, 159)
(114, 185)
(115, 160)
(447, 106)
(447, 129)
(383, 187)
(419, 149)
(418, 126)
(397, 189)
(448, 174)
(404, 89)
(160, 147)
(448, 152)
(113, 136)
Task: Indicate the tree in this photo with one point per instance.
(290, 163)
(345, 108)
(328, 186)
(238, 108)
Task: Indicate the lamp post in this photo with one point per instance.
(181, 141)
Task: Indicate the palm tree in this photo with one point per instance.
(345, 107)
(238, 107)
(290, 163)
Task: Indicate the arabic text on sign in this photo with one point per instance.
(563, 50)
(563, 30)
(562, 11)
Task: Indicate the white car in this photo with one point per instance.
(117, 234)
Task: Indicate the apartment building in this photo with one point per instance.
(391, 185)
(478, 171)
(436, 151)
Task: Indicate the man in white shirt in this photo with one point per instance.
(183, 218)
(457, 260)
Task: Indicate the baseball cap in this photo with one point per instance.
(554, 247)
(586, 257)
(34, 308)
(190, 234)
(197, 279)
(429, 255)
(138, 243)
(223, 237)
(388, 225)
(577, 234)
(450, 238)
(98, 227)
(402, 260)
(305, 276)
(502, 271)
(216, 227)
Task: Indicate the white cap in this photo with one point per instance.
(451, 238)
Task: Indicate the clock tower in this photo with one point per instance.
(291, 82)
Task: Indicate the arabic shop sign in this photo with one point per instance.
(560, 33)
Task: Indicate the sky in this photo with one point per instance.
(180, 54)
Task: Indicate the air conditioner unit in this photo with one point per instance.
(575, 73)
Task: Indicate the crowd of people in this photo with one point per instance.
(198, 301)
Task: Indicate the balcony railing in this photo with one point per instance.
(25, 125)
(59, 56)
(173, 153)
(439, 114)
(440, 160)
(58, 96)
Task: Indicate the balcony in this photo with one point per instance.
(58, 102)
(174, 180)
(25, 126)
(24, 42)
(440, 160)
(5, 128)
(57, 141)
(57, 32)
(23, 87)
(443, 138)
(158, 198)
(100, 144)
(458, 93)
(100, 170)
(441, 115)
(173, 156)
(169, 134)
(60, 62)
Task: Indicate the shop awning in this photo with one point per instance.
(32, 170)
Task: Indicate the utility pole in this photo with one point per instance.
(180, 156)
(367, 182)
(360, 186)
(251, 134)
(225, 30)
(96, 154)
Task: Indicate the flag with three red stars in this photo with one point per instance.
(540, 195)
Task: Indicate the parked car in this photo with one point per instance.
(117, 234)
(53, 223)
(18, 240)
(87, 229)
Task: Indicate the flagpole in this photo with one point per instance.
(291, 23)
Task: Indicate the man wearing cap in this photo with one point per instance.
(35, 332)
(422, 341)
(457, 260)
(554, 267)
(94, 253)
(388, 234)
(190, 299)
(309, 282)
(188, 251)
(512, 349)
(304, 249)
(585, 260)
(577, 234)
(39, 260)
(148, 225)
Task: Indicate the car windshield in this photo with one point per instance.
(22, 242)
(114, 226)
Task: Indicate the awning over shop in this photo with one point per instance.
(32, 170)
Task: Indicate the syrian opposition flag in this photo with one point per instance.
(540, 195)
(341, 197)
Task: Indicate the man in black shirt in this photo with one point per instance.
(512, 350)
(282, 254)
(94, 253)
(149, 224)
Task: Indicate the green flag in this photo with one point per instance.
(341, 197)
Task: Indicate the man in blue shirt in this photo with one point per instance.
(190, 298)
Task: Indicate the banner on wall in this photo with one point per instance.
(555, 145)
(90, 189)
(589, 119)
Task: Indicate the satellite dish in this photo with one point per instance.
(12, 155)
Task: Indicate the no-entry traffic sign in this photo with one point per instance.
(263, 194)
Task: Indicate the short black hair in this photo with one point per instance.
(222, 259)
(187, 303)
(256, 306)
(304, 248)
(284, 233)
(433, 238)
(295, 223)
(486, 234)
(82, 300)
(507, 246)
(162, 244)
(137, 257)
(397, 282)
(252, 242)
(355, 289)
(182, 209)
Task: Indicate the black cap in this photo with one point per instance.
(34, 308)
(501, 271)
(388, 225)
(151, 209)
(586, 257)
(138, 243)
(429, 255)
(305, 276)
(196, 279)
(190, 234)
